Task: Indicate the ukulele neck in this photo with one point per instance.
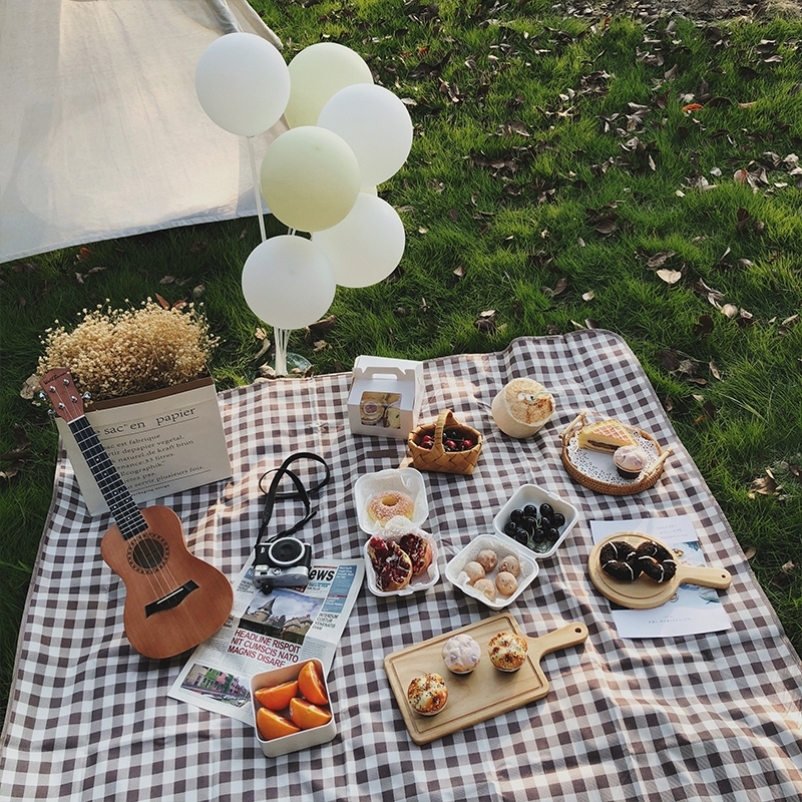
(126, 513)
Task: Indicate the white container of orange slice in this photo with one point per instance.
(292, 709)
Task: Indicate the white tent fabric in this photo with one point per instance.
(101, 132)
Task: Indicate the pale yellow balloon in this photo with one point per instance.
(310, 178)
(316, 74)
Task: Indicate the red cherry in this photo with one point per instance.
(451, 444)
(466, 444)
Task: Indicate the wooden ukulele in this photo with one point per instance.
(173, 599)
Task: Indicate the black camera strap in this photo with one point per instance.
(300, 492)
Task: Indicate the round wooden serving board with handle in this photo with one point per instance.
(644, 593)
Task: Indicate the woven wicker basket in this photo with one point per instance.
(646, 480)
(437, 458)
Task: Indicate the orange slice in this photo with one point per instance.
(306, 715)
(310, 684)
(278, 697)
(271, 725)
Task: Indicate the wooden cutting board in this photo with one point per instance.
(643, 593)
(486, 692)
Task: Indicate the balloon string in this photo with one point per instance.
(281, 336)
(256, 196)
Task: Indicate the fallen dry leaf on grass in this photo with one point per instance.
(318, 330)
(764, 486)
(486, 322)
(558, 288)
(18, 456)
(670, 276)
(659, 259)
(30, 387)
(785, 575)
(704, 327)
(708, 412)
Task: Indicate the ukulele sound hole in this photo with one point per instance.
(148, 552)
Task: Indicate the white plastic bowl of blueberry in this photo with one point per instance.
(537, 519)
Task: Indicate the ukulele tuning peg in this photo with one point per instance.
(51, 412)
(42, 395)
(86, 396)
(66, 382)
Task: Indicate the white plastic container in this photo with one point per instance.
(532, 494)
(417, 583)
(299, 740)
(502, 546)
(403, 480)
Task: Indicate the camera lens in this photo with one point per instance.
(286, 552)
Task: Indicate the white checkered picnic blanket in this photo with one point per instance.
(715, 716)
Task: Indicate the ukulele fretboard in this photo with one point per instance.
(123, 507)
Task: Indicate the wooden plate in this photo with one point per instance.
(604, 478)
(486, 692)
(643, 593)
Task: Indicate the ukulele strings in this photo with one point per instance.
(152, 553)
(161, 581)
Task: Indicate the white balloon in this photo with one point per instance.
(317, 73)
(367, 246)
(243, 83)
(377, 126)
(309, 178)
(288, 282)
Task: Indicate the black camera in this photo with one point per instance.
(282, 563)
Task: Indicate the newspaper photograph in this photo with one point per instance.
(270, 629)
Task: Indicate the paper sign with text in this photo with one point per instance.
(171, 441)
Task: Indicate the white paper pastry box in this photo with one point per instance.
(386, 396)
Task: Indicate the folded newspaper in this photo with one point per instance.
(268, 630)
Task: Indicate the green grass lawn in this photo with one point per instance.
(557, 178)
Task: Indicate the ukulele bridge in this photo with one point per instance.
(171, 600)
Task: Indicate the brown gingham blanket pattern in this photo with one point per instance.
(706, 717)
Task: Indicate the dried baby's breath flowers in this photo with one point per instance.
(114, 353)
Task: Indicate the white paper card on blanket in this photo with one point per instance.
(171, 442)
(386, 396)
(693, 610)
